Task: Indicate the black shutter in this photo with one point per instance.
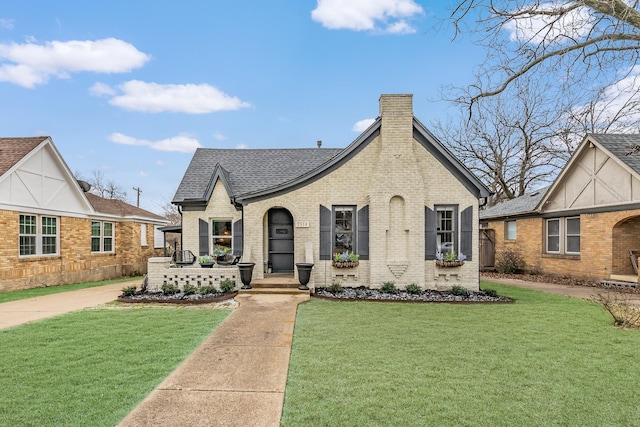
(363, 233)
(430, 243)
(325, 233)
(238, 240)
(203, 237)
(466, 232)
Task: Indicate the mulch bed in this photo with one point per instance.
(433, 296)
(177, 299)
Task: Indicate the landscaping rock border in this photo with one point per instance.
(173, 299)
(428, 295)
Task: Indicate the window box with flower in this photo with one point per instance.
(345, 260)
(450, 259)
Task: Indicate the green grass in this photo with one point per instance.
(38, 292)
(91, 368)
(546, 360)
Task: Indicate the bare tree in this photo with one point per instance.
(106, 188)
(515, 141)
(171, 212)
(586, 44)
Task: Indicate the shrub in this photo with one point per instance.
(189, 289)
(227, 286)
(458, 290)
(128, 291)
(335, 288)
(205, 290)
(490, 292)
(619, 305)
(413, 289)
(389, 288)
(169, 289)
(509, 261)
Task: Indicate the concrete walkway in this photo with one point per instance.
(237, 377)
(28, 310)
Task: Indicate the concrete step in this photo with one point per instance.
(278, 291)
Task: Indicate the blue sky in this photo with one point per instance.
(132, 88)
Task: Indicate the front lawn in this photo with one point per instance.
(91, 368)
(544, 360)
(48, 290)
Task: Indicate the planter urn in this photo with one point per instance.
(246, 271)
(304, 274)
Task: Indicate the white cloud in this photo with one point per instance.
(31, 64)
(101, 89)
(7, 24)
(143, 173)
(389, 16)
(179, 98)
(241, 146)
(362, 125)
(532, 28)
(181, 143)
(219, 137)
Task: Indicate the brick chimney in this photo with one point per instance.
(396, 112)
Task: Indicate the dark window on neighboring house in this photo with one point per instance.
(38, 235)
(101, 236)
(562, 235)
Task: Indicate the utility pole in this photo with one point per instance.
(139, 191)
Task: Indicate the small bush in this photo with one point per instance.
(413, 289)
(128, 291)
(459, 291)
(389, 288)
(490, 292)
(509, 262)
(335, 288)
(619, 305)
(169, 289)
(227, 286)
(205, 290)
(189, 289)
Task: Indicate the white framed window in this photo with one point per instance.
(38, 235)
(102, 236)
(510, 230)
(562, 235)
(446, 228)
(222, 235)
(344, 229)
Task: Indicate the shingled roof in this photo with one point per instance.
(119, 208)
(522, 205)
(12, 150)
(248, 171)
(619, 145)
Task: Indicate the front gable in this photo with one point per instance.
(42, 181)
(594, 178)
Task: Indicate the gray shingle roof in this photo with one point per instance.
(518, 206)
(249, 170)
(619, 145)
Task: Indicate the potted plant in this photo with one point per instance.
(450, 259)
(221, 252)
(205, 261)
(345, 260)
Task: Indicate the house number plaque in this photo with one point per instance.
(302, 224)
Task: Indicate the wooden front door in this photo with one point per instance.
(280, 240)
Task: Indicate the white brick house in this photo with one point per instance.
(395, 196)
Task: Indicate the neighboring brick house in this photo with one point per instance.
(52, 232)
(395, 196)
(587, 222)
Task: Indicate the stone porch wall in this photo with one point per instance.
(160, 272)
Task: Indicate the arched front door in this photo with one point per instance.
(280, 240)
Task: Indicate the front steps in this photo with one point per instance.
(275, 284)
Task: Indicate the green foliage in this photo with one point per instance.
(189, 289)
(449, 256)
(413, 289)
(509, 261)
(169, 289)
(337, 257)
(490, 292)
(204, 290)
(128, 291)
(227, 286)
(335, 288)
(459, 291)
(205, 259)
(354, 257)
(389, 288)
